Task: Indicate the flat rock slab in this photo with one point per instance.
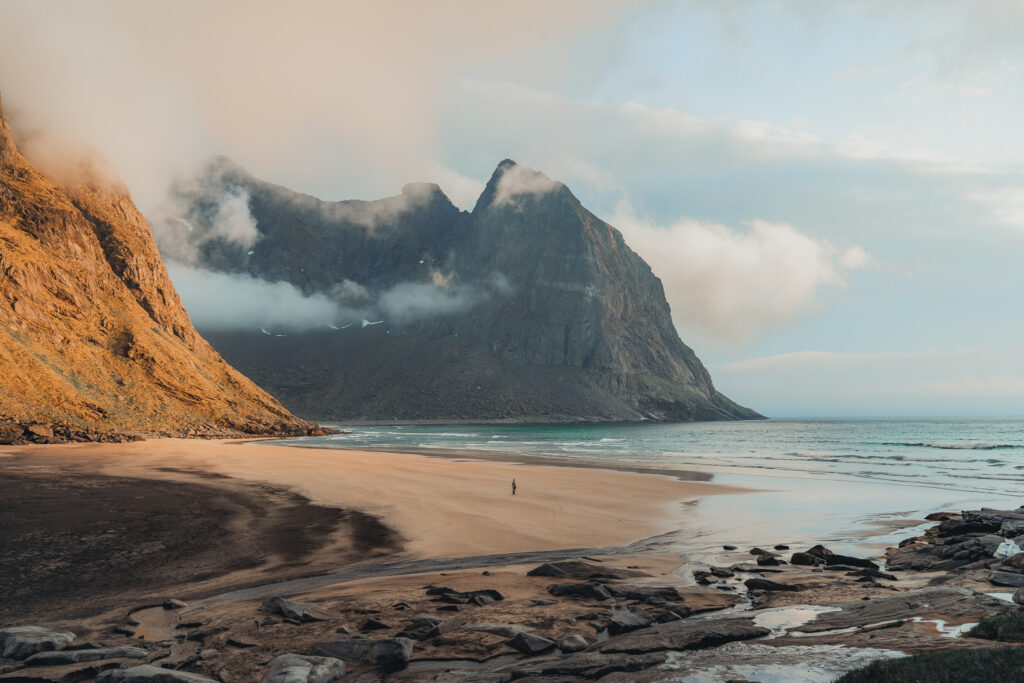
(289, 609)
(684, 635)
(578, 569)
(60, 657)
(627, 619)
(394, 652)
(149, 674)
(587, 591)
(585, 665)
(20, 642)
(943, 602)
(505, 630)
(294, 668)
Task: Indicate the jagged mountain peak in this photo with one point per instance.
(516, 186)
(528, 307)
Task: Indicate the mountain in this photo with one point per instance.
(94, 341)
(529, 307)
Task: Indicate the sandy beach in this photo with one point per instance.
(110, 515)
(439, 507)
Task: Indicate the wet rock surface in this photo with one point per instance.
(20, 642)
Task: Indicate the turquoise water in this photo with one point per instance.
(837, 480)
(970, 455)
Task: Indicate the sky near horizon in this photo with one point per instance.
(832, 193)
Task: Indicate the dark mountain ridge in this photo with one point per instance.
(529, 307)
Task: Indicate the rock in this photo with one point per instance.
(375, 625)
(239, 641)
(45, 431)
(267, 621)
(294, 668)
(573, 643)
(652, 595)
(806, 559)
(201, 634)
(59, 657)
(577, 569)
(506, 630)
(945, 602)
(721, 572)
(174, 604)
(482, 600)
(684, 635)
(766, 585)
(873, 573)
(530, 644)
(388, 652)
(782, 546)
(767, 561)
(830, 558)
(704, 578)
(1018, 596)
(543, 603)
(628, 619)
(300, 611)
(762, 552)
(1007, 579)
(674, 614)
(19, 642)
(145, 673)
(728, 547)
(589, 590)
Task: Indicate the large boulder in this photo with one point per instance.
(389, 652)
(20, 642)
(293, 668)
(59, 657)
(145, 673)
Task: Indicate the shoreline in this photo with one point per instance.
(441, 507)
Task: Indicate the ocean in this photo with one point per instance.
(849, 482)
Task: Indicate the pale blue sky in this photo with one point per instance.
(832, 193)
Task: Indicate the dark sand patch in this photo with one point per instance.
(76, 543)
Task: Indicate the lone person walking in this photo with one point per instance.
(513, 487)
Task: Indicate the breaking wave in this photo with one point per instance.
(969, 446)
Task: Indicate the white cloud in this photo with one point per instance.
(975, 380)
(218, 301)
(409, 301)
(738, 284)
(520, 180)
(1005, 205)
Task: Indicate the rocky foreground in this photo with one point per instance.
(812, 612)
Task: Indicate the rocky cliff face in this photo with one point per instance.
(528, 307)
(94, 340)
